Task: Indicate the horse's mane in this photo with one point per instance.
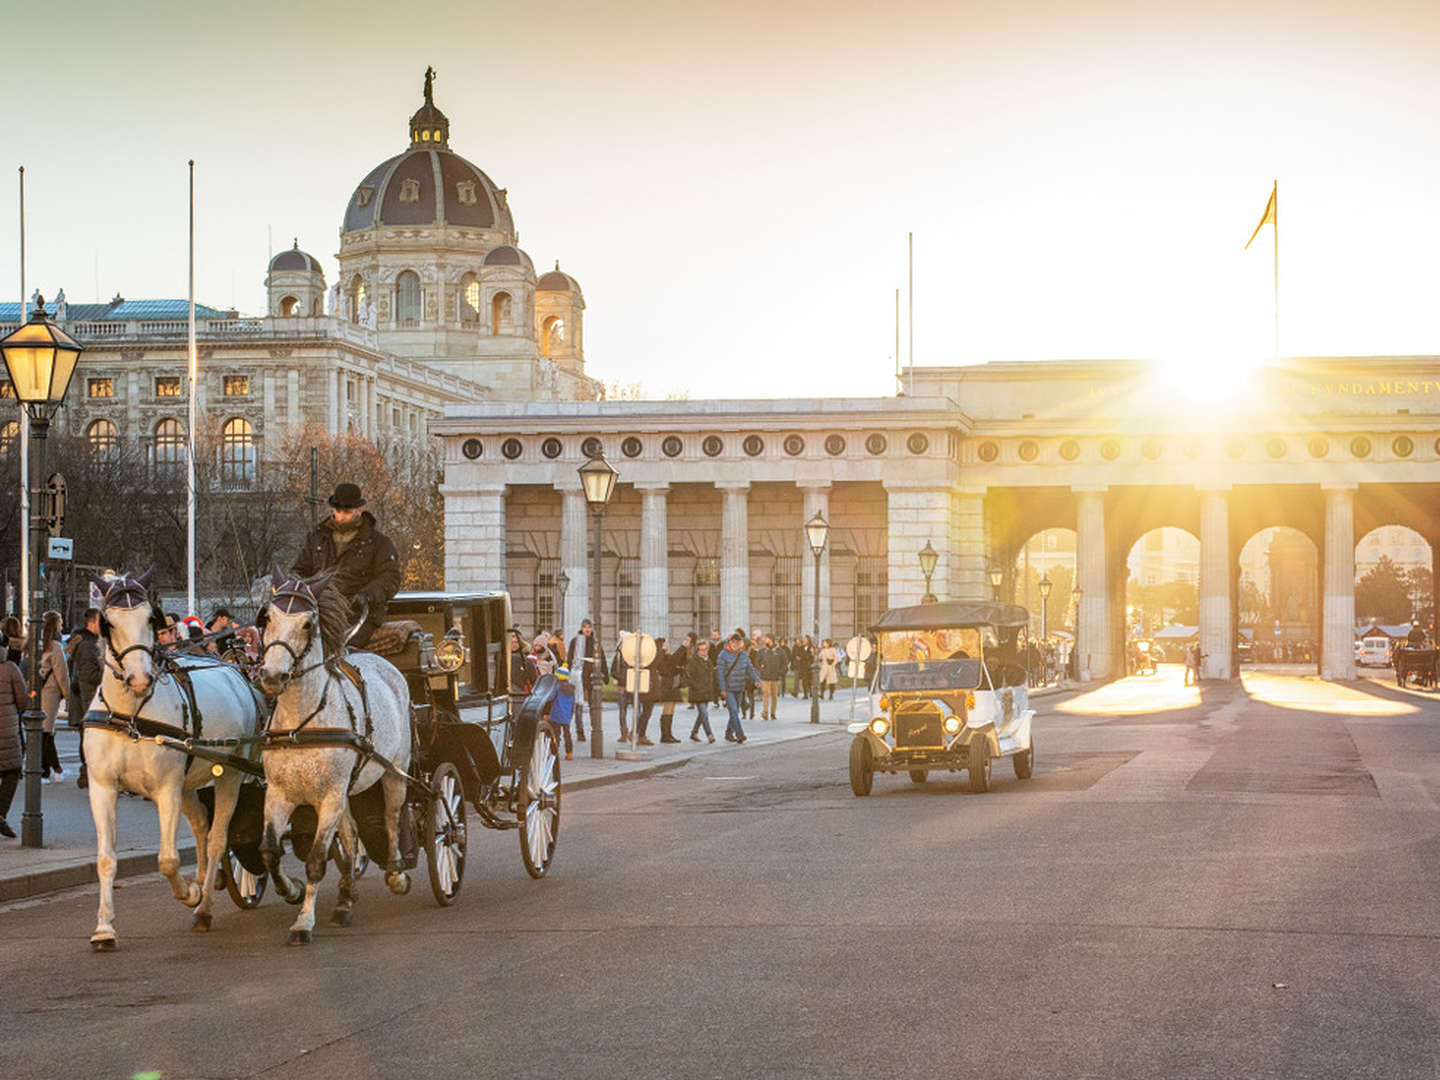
(336, 618)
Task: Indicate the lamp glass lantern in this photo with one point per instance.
(40, 360)
(997, 576)
(1045, 586)
(928, 558)
(597, 478)
(817, 530)
(562, 582)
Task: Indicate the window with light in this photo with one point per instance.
(237, 453)
(9, 436)
(167, 453)
(104, 441)
(237, 385)
(167, 386)
(100, 387)
(469, 300)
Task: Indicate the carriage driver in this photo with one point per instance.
(363, 558)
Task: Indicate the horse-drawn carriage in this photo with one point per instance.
(1415, 662)
(359, 752)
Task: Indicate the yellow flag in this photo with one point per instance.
(1268, 219)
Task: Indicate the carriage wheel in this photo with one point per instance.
(539, 802)
(445, 834)
(245, 888)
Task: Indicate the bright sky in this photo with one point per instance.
(732, 184)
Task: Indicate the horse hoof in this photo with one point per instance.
(201, 925)
(299, 937)
(194, 896)
(103, 945)
(294, 898)
(399, 883)
(341, 917)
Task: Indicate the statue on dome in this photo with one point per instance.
(429, 86)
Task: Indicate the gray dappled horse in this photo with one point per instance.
(141, 696)
(329, 754)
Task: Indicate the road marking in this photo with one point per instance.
(727, 778)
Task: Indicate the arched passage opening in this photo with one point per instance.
(1393, 578)
(1278, 599)
(1162, 595)
(1043, 575)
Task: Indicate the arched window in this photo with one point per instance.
(168, 454)
(104, 441)
(357, 299)
(237, 452)
(500, 309)
(407, 299)
(9, 437)
(552, 334)
(469, 300)
(289, 307)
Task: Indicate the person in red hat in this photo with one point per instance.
(364, 560)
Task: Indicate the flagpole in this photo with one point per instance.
(899, 386)
(1275, 194)
(190, 608)
(912, 315)
(24, 440)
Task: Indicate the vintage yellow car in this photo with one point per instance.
(953, 695)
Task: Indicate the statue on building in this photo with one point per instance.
(371, 317)
(429, 86)
(62, 307)
(337, 301)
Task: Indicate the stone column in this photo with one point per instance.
(917, 515)
(969, 572)
(575, 557)
(1337, 648)
(734, 556)
(817, 501)
(1216, 625)
(1092, 573)
(654, 560)
(292, 397)
(475, 537)
(333, 395)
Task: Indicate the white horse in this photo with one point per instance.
(323, 744)
(140, 697)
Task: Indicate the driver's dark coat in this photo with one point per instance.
(368, 569)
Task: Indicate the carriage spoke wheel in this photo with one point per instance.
(245, 888)
(445, 834)
(539, 802)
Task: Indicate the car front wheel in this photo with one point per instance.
(979, 767)
(862, 767)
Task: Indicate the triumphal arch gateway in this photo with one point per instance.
(705, 528)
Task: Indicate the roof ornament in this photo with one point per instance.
(429, 86)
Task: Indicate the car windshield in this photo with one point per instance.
(930, 659)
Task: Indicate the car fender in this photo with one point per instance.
(878, 746)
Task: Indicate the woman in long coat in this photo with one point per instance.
(54, 688)
(12, 701)
(660, 672)
(829, 668)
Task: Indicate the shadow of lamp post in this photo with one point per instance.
(817, 529)
(928, 558)
(597, 478)
(40, 359)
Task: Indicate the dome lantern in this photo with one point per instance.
(429, 127)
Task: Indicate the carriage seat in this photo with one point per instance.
(392, 638)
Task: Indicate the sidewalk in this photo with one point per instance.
(68, 857)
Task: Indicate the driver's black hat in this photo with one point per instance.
(347, 497)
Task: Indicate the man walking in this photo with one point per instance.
(735, 673)
(772, 663)
(585, 652)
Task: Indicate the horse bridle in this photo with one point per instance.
(300, 598)
(132, 590)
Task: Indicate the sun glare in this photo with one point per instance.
(1205, 381)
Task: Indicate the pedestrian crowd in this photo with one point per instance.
(734, 672)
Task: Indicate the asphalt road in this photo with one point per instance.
(1239, 882)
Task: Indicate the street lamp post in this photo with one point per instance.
(1077, 592)
(40, 359)
(597, 478)
(997, 578)
(1045, 586)
(562, 585)
(817, 529)
(928, 558)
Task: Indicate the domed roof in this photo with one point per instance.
(509, 255)
(428, 184)
(295, 259)
(557, 281)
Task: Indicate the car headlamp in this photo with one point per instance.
(880, 726)
(952, 724)
(450, 653)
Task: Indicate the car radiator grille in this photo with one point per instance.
(918, 727)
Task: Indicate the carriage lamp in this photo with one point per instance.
(450, 652)
(928, 558)
(40, 360)
(597, 479)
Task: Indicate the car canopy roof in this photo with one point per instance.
(953, 613)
